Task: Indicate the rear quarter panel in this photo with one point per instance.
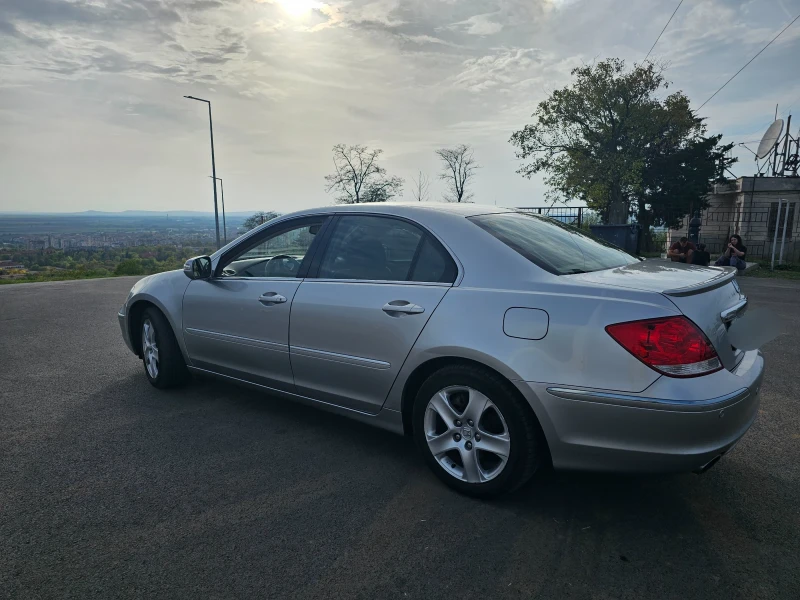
(576, 351)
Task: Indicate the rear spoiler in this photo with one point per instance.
(727, 275)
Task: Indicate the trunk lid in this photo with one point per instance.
(709, 296)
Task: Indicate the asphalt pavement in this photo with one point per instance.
(110, 488)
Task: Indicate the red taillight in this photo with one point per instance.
(673, 346)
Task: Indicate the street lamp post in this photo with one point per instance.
(213, 165)
(222, 198)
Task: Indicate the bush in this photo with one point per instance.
(130, 266)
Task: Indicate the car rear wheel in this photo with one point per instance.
(163, 362)
(475, 431)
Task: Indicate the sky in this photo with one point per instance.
(92, 114)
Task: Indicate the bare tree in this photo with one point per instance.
(458, 169)
(421, 185)
(359, 178)
(257, 219)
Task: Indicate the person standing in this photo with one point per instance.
(734, 254)
(681, 251)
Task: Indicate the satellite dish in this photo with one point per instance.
(770, 139)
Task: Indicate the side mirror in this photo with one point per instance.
(198, 267)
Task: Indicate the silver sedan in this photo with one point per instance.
(500, 341)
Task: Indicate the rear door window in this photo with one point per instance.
(433, 263)
(555, 247)
(373, 248)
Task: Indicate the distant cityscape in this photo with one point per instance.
(109, 230)
(48, 247)
(123, 239)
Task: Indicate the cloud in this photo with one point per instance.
(63, 55)
(156, 41)
(331, 15)
(502, 68)
(403, 75)
(320, 15)
(228, 45)
(198, 5)
(559, 4)
(268, 26)
(479, 25)
(714, 26)
(427, 39)
(85, 12)
(8, 28)
(383, 12)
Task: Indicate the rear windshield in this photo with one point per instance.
(555, 247)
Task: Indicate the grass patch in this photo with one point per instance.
(56, 276)
(784, 271)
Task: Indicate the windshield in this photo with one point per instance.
(555, 247)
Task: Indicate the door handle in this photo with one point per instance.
(271, 298)
(403, 307)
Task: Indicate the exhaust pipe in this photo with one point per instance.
(707, 466)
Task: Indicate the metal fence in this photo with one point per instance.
(570, 215)
(756, 226)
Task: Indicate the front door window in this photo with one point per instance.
(279, 254)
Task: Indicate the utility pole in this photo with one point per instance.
(213, 164)
(222, 197)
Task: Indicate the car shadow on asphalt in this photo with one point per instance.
(246, 415)
(275, 415)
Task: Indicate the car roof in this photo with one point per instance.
(404, 209)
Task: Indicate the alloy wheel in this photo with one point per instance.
(150, 348)
(467, 434)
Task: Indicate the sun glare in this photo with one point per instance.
(298, 8)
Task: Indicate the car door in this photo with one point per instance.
(237, 322)
(365, 302)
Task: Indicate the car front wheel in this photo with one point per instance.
(475, 431)
(162, 358)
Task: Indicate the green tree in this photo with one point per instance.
(359, 178)
(608, 139)
(129, 266)
(257, 219)
(149, 265)
(590, 218)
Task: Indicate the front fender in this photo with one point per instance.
(165, 291)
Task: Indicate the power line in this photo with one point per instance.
(749, 61)
(663, 30)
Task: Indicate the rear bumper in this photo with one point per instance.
(647, 433)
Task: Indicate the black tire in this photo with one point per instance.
(171, 368)
(527, 446)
